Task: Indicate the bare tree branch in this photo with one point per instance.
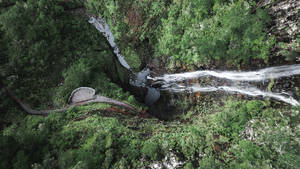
(97, 99)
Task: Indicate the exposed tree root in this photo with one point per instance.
(97, 99)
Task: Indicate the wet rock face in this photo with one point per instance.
(285, 21)
(285, 14)
(170, 161)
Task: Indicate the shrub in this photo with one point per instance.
(76, 76)
(248, 155)
(209, 162)
(254, 107)
(188, 166)
(89, 72)
(233, 118)
(223, 31)
(21, 161)
(151, 150)
(43, 39)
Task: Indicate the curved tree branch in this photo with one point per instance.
(97, 99)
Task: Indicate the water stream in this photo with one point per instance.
(256, 76)
(169, 82)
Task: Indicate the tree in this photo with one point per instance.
(44, 38)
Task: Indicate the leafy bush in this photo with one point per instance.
(216, 140)
(254, 107)
(196, 34)
(89, 72)
(209, 162)
(44, 38)
(76, 76)
(233, 118)
(248, 155)
(151, 150)
(21, 161)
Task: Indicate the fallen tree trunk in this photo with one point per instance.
(102, 99)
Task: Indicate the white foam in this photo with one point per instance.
(260, 75)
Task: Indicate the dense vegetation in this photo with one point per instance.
(47, 49)
(191, 32)
(239, 135)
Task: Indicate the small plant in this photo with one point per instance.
(254, 107)
(151, 150)
(233, 118)
(188, 115)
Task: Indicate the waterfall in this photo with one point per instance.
(136, 79)
(256, 76)
(168, 82)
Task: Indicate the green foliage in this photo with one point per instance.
(151, 150)
(67, 158)
(290, 50)
(76, 76)
(44, 38)
(134, 24)
(254, 107)
(187, 115)
(188, 166)
(235, 115)
(216, 30)
(92, 141)
(233, 118)
(21, 161)
(209, 162)
(89, 72)
(48, 50)
(80, 165)
(248, 155)
(52, 51)
(7, 150)
(215, 140)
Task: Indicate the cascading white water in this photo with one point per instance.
(136, 79)
(168, 81)
(260, 75)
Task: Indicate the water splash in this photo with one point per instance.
(260, 75)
